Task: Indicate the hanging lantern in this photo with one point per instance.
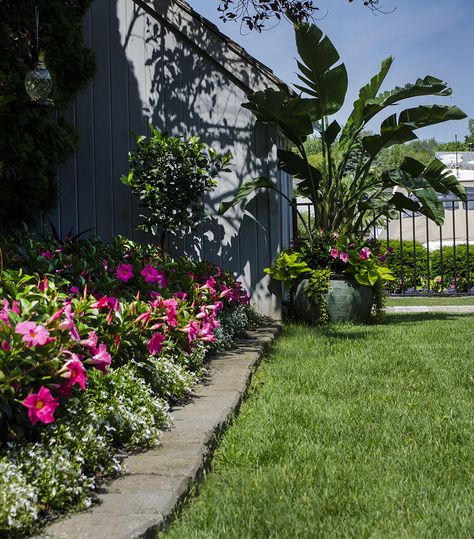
(38, 82)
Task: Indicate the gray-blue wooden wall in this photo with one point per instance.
(187, 82)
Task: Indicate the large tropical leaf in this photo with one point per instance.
(369, 103)
(326, 83)
(426, 115)
(442, 179)
(398, 131)
(424, 183)
(296, 166)
(390, 134)
(366, 94)
(401, 202)
(300, 169)
(246, 192)
(291, 114)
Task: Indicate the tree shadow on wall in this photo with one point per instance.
(162, 71)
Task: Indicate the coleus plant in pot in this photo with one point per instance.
(347, 193)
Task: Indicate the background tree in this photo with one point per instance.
(255, 14)
(469, 140)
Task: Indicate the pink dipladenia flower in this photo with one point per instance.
(4, 312)
(334, 253)
(171, 306)
(344, 257)
(124, 272)
(43, 285)
(101, 303)
(207, 333)
(210, 285)
(156, 343)
(144, 317)
(77, 372)
(91, 341)
(149, 274)
(181, 295)
(41, 406)
(5, 346)
(226, 292)
(69, 324)
(364, 254)
(101, 359)
(192, 329)
(113, 303)
(47, 254)
(162, 281)
(152, 275)
(33, 334)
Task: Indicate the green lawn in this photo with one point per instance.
(349, 431)
(461, 300)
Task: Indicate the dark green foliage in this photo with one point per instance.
(34, 140)
(170, 176)
(404, 259)
(447, 272)
(443, 264)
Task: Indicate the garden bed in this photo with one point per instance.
(96, 341)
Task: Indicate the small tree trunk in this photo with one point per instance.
(163, 238)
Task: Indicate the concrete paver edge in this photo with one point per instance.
(143, 501)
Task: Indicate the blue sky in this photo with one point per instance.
(426, 37)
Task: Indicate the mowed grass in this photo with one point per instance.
(349, 431)
(407, 301)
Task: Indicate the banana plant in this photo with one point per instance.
(347, 192)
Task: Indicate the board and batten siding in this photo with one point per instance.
(182, 76)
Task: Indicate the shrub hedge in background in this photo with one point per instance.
(34, 140)
(450, 269)
(402, 262)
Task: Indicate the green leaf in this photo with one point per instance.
(295, 165)
(247, 189)
(402, 202)
(322, 81)
(292, 115)
(331, 133)
(366, 93)
(390, 135)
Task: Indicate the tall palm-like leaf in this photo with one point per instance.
(346, 192)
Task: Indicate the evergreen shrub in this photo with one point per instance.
(36, 140)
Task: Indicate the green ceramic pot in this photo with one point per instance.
(303, 309)
(348, 300)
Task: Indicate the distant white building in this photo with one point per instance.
(459, 216)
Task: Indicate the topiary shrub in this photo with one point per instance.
(35, 140)
(170, 176)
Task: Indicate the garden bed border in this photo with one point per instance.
(143, 501)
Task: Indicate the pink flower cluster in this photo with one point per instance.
(64, 345)
(58, 338)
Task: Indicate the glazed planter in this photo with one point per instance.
(303, 309)
(348, 300)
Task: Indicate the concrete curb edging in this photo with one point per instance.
(140, 503)
(431, 309)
